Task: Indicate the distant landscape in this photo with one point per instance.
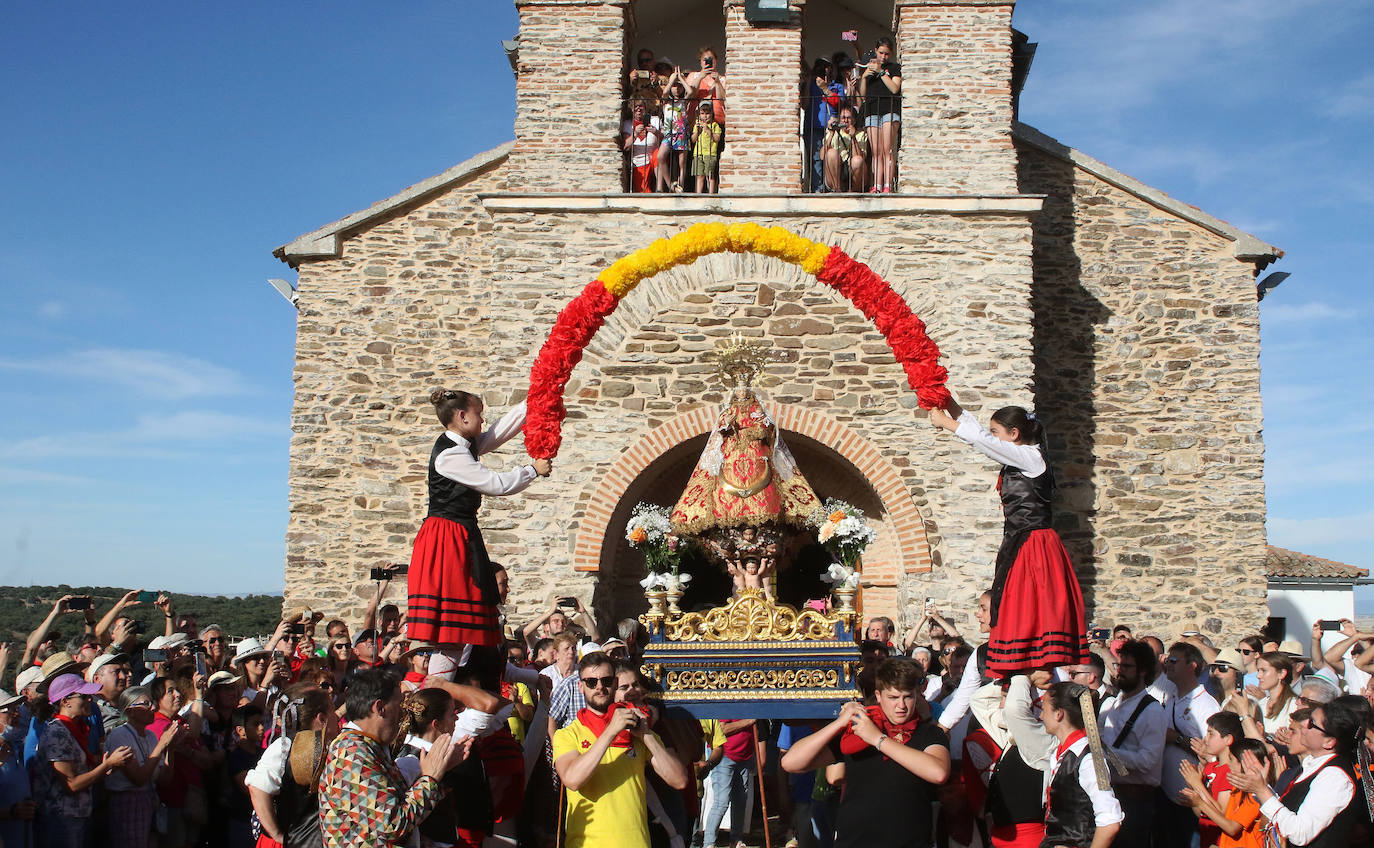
(23, 608)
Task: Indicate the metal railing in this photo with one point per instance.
(668, 147)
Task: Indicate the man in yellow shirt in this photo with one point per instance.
(600, 758)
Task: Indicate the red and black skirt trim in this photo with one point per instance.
(446, 604)
(1039, 618)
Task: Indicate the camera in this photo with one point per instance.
(79, 603)
(380, 574)
(297, 629)
(708, 62)
(569, 602)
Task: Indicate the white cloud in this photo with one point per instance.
(151, 436)
(1311, 535)
(1303, 313)
(149, 373)
(1354, 100)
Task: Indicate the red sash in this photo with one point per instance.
(851, 744)
(596, 722)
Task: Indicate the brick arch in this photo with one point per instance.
(912, 548)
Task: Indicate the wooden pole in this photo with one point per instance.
(758, 773)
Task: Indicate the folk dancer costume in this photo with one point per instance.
(452, 589)
(1037, 605)
(1009, 753)
(1325, 805)
(1078, 792)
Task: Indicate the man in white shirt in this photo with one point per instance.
(1186, 717)
(1132, 723)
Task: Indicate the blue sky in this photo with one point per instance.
(155, 154)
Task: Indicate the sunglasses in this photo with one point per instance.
(602, 682)
(342, 646)
(1248, 651)
(1317, 727)
(215, 640)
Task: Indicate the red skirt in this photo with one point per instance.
(446, 606)
(1040, 621)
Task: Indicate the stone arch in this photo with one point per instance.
(595, 542)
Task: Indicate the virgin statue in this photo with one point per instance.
(746, 476)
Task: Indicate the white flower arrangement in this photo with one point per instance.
(842, 577)
(843, 530)
(650, 532)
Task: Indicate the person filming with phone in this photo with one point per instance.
(600, 757)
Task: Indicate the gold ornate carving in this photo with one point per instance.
(750, 617)
(753, 678)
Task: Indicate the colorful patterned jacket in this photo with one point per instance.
(364, 800)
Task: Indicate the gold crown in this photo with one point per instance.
(739, 360)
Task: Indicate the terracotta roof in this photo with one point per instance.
(1282, 562)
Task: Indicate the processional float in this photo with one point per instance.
(747, 506)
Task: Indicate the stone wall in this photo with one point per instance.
(1147, 370)
(449, 294)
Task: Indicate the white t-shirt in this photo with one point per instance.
(1355, 679)
(142, 744)
(642, 149)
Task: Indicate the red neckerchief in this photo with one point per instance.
(80, 729)
(416, 677)
(1068, 743)
(851, 744)
(596, 722)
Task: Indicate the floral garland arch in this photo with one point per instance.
(583, 316)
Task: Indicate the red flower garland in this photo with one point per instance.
(583, 316)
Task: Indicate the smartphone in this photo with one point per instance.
(200, 663)
(569, 602)
(298, 629)
(79, 603)
(849, 35)
(146, 597)
(1099, 634)
(152, 655)
(709, 62)
(279, 657)
(641, 74)
(1329, 624)
(398, 570)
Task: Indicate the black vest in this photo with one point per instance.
(1070, 819)
(1338, 833)
(449, 498)
(1015, 791)
(298, 813)
(466, 801)
(1026, 501)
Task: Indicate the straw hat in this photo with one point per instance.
(306, 760)
(248, 648)
(1231, 657)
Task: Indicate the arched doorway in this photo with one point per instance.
(662, 480)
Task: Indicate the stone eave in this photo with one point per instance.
(1248, 248)
(327, 241)
(767, 203)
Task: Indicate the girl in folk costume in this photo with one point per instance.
(1327, 804)
(1080, 809)
(453, 593)
(1037, 606)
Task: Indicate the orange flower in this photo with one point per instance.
(837, 515)
(638, 536)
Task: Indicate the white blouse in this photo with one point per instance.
(458, 464)
(1025, 458)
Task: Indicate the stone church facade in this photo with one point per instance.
(1126, 318)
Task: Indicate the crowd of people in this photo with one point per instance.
(673, 129)
(317, 736)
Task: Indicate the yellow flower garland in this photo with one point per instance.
(701, 240)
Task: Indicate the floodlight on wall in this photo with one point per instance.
(1269, 283)
(767, 11)
(286, 290)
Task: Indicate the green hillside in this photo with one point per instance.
(22, 608)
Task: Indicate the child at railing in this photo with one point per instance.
(675, 141)
(640, 136)
(706, 137)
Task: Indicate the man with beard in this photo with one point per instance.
(600, 758)
(1132, 723)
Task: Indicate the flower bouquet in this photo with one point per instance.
(841, 528)
(649, 532)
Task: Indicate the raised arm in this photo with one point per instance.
(370, 614)
(666, 766)
(931, 764)
(102, 629)
(40, 633)
(1335, 655)
(588, 622)
(813, 751)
